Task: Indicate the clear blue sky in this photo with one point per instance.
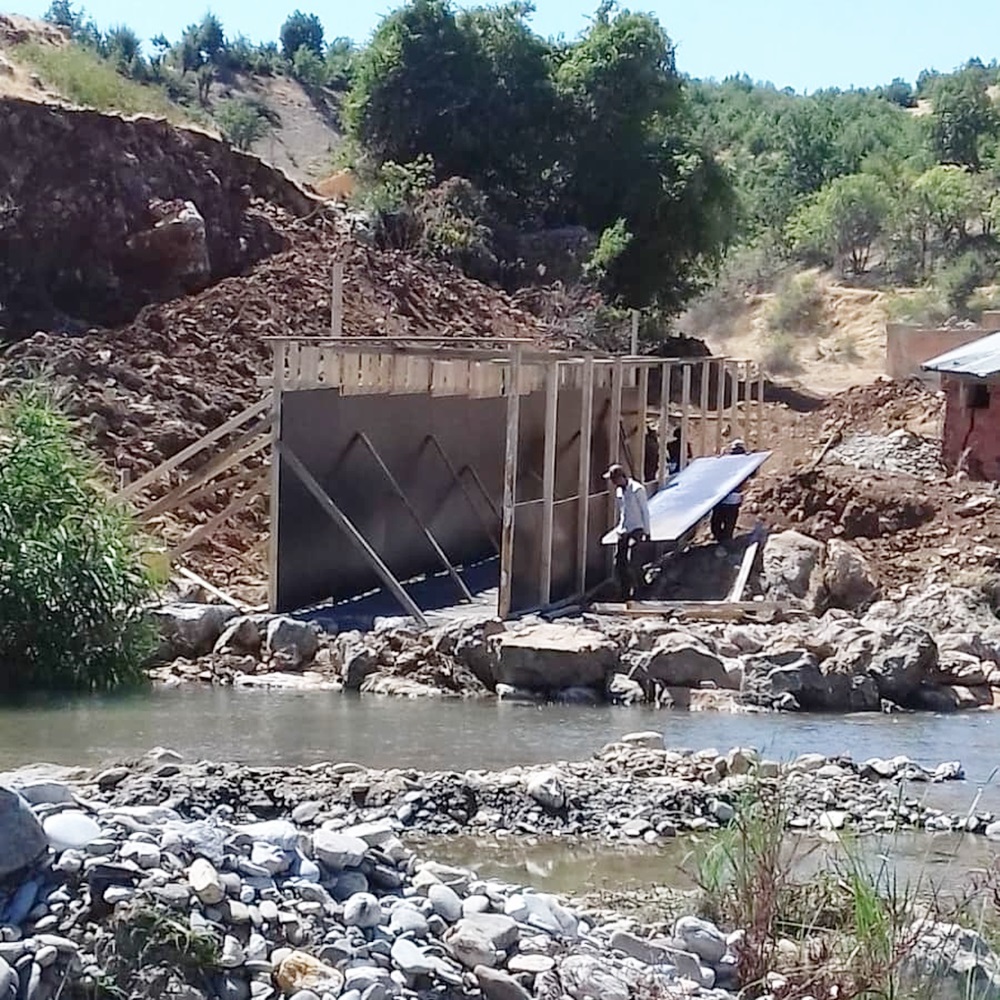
(792, 43)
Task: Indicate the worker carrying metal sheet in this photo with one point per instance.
(632, 525)
(726, 514)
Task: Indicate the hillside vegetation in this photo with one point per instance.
(596, 160)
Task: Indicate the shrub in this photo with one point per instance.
(244, 121)
(779, 354)
(301, 30)
(798, 306)
(960, 279)
(308, 68)
(72, 583)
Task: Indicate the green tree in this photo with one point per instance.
(941, 201)
(212, 38)
(301, 30)
(963, 115)
(72, 584)
(309, 68)
(843, 220)
(243, 121)
(123, 47)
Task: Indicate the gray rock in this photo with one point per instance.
(546, 788)
(240, 637)
(408, 920)
(585, 977)
(295, 642)
(953, 961)
(497, 985)
(903, 657)
(849, 580)
(22, 839)
(680, 660)
(470, 945)
(793, 568)
(701, 937)
(500, 930)
(337, 851)
(360, 662)
(445, 901)
(532, 965)
(362, 910)
(411, 959)
(190, 630)
(551, 657)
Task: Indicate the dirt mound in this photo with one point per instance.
(908, 527)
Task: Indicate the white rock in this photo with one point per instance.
(648, 738)
(206, 882)
(232, 953)
(546, 788)
(411, 959)
(337, 851)
(70, 830)
(445, 901)
(143, 854)
(362, 910)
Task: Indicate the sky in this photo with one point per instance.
(792, 43)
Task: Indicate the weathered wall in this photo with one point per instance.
(977, 430)
(908, 347)
(316, 561)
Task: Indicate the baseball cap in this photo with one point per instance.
(613, 470)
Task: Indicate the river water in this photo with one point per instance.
(280, 727)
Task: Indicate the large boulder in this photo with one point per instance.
(795, 679)
(847, 576)
(903, 659)
(293, 642)
(190, 630)
(680, 660)
(793, 568)
(22, 839)
(550, 657)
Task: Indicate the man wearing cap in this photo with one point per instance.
(632, 512)
(726, 513)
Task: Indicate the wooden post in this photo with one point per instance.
(510, 482)
(549, 479)
(720, 405)
(277, 390)
(337, 300)
(347, 526)
(685, 405)
(583, 490)
(759, 440)
(634, 344)
(704, 406)
(663, 471)
(639, 443)
(734, 401)
(614, 431)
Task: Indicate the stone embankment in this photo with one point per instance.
(836, 646)
(162, 878)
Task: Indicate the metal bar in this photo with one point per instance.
(703, 405)
(685, 405)
(192, 449)
(720, 404)
(457, 478)
(583, 499)
(347, 526)
(513, 389)
(549, 480)
(482, 489)
(398, 490)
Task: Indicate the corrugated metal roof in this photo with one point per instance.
(981, 359)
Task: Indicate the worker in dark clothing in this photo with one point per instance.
(727, 512)
(674, 452)
(632, 527)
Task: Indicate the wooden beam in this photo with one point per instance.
(759, 439)
(398, 490)
(639, 448)
(634, 340)
(337, 299)
(192, 449)
(277, 393)
(342, 521)
(549, 480)
(685, 407)
(665, 372)
(583, 498)
(720, 404)
(180, 498)
(703, 406)
(240, 606)
(254, 489)
(736, 593)
(614, 431)
(513, 390)
(734, 400)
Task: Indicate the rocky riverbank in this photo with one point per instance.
(937, 649)
(161, 878)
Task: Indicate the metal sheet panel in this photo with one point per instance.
(981, 359)
(693, 492)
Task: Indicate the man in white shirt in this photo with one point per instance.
(727, 512)
(632, 512)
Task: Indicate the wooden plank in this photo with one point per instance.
(734, 401)
(337, 299)
(510, 483)
(549, 480)
(192, 449)
(583, 491)
(277, 393)
(634, 345)
(347, 526)
(639, 446)
(215, 591)
(331, 369)
(665, 372)
(180, 498)
(759, 437)
(720, 404)
(704, 407)
(685, 407)
(614, 430)
(309, 370)
(196, 537)
(736, 593)
(350, 373)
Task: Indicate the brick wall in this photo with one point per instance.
(975, 429)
